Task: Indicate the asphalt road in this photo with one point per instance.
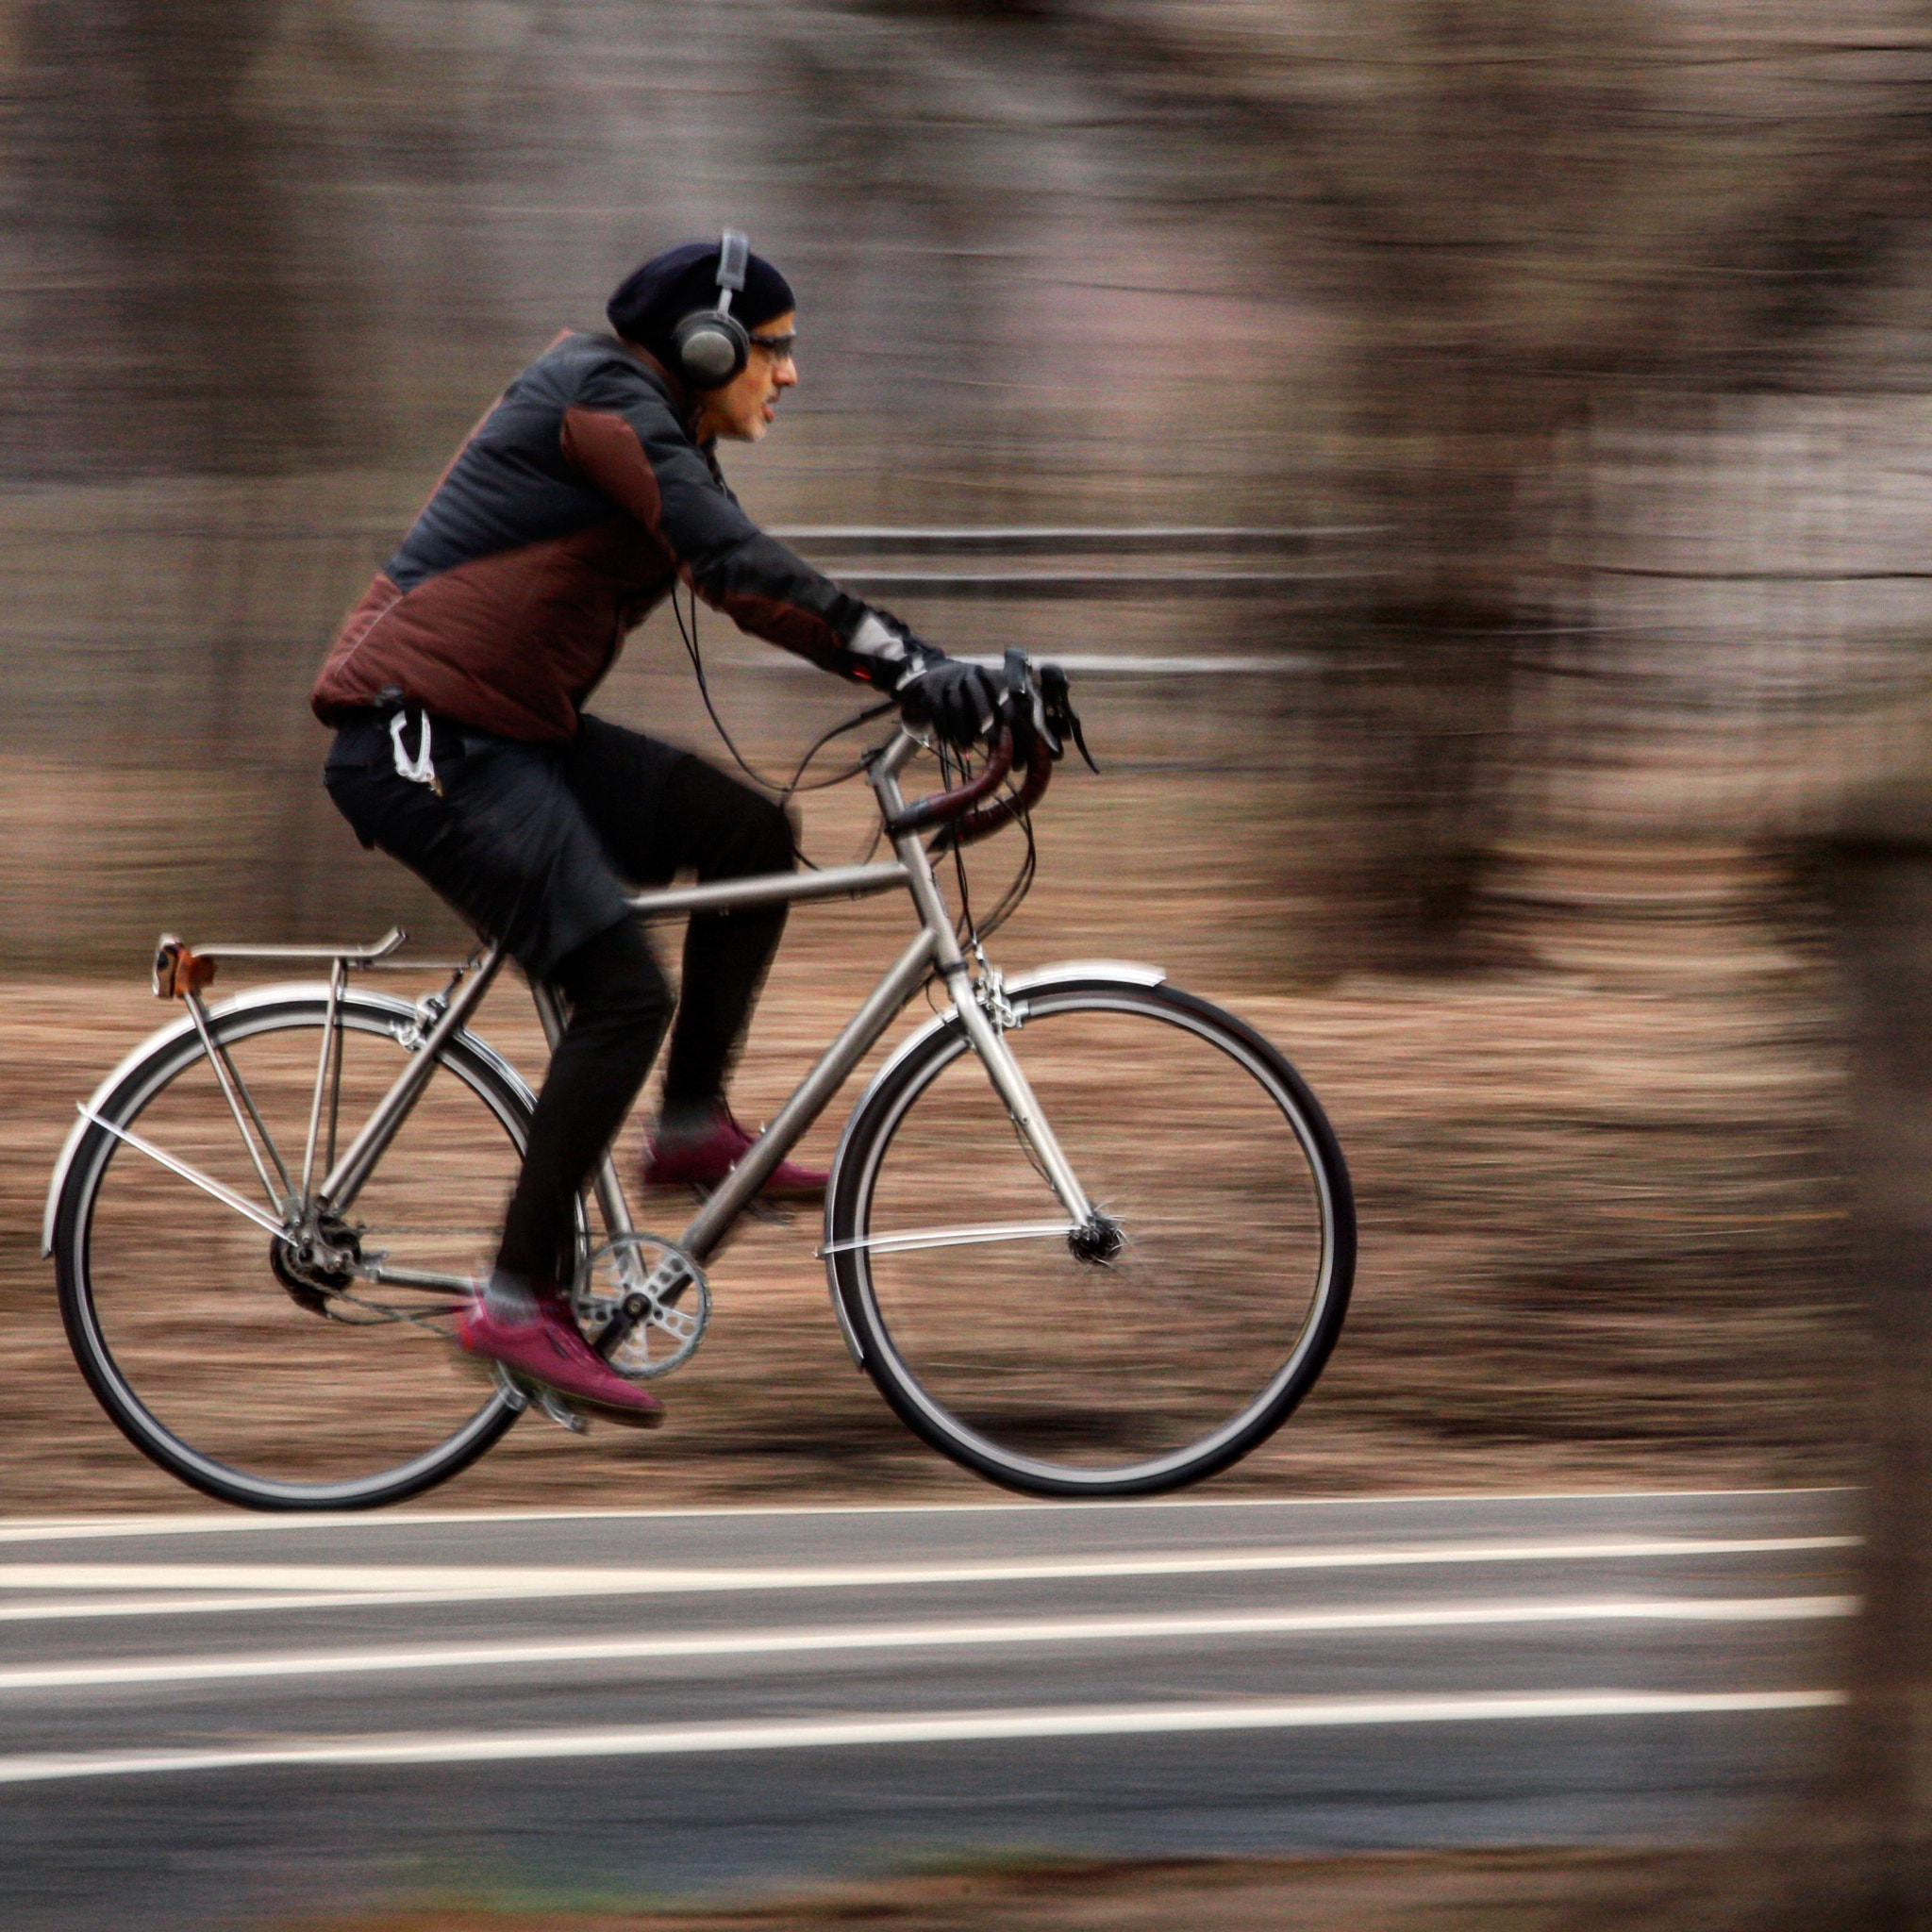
(215, 1721)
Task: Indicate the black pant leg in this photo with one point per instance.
(727, 954)
(618, 1004)
(508, 843)
(656, 820)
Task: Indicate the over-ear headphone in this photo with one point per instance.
(712, 344)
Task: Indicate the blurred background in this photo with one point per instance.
(1476, 457)
(1573, 353)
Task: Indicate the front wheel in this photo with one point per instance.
(1045, 1362)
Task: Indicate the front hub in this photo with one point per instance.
(1096, 1240)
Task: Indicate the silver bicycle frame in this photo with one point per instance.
(937, 945)
(934, 949)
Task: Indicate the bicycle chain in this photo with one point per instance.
(390, 1314)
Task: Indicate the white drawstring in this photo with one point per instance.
(420, 770)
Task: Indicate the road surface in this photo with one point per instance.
(206, 1720)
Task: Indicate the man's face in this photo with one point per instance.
(742, 411)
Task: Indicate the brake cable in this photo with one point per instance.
(971, 933)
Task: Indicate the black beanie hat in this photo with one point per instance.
(651, 301)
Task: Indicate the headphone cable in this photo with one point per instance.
(786, 793)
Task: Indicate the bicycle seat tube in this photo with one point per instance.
(341, 1184)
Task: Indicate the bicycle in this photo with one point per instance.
(1087, 1234)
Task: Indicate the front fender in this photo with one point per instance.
(1123, 972)
(1127, 972)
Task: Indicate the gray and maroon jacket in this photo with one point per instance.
(572, 508)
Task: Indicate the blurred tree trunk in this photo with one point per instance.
(1855, 1854)
(172, 335)
(1425, 685)
(1878, 884)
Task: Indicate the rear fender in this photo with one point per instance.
(402, 1010)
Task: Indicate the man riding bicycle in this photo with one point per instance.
(457, 688)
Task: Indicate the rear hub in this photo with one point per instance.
(313, 1267)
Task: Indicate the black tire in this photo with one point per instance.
(179, 1312)
(1059, 1376)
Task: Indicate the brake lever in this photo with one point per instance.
(1062, 721)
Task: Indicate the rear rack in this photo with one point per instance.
(181, 970)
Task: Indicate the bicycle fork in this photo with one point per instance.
(1010, 1081)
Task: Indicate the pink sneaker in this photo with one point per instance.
(551, 1349)
(703, 1160)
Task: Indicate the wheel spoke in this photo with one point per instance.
(193, 1176)
(911, 1239)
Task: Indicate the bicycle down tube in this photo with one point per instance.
(935, 943)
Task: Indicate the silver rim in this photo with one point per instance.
(1153, 1471)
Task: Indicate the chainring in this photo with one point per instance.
(652, 1294)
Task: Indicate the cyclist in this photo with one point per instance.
(457, 688)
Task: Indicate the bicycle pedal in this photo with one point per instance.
(522, 1395)
(558, 1410)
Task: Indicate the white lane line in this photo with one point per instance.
(453, 1583)
(228, 1522)
(94, 1609)
(663, 1741)
(1030, 1633)
(281, 1587)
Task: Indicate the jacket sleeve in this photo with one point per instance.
(640, 456)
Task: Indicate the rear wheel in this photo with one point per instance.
(1140, 1354)
(256, 1375)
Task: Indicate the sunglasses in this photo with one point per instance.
(777, 347)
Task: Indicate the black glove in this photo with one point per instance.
(961, 702)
